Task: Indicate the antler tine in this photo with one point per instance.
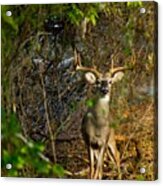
(79, 67)
(114, 70)
(87, 69)
(76, 60)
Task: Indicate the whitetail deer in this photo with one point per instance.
(97, 133)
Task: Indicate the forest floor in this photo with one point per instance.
(135, 141)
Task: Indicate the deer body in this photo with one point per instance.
(96, 121)
(95, 129)
(97, 133)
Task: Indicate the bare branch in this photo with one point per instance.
(20, 136)
(48, 120)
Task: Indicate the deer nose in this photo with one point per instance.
(104, 90)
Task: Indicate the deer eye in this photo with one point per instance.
(110, 82)
(98, 83)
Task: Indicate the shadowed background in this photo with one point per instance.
(43, 100)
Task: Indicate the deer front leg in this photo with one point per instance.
(113, 148)
(99, 165)
(115, 158)
(91, 156)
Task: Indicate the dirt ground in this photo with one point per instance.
(135, 141)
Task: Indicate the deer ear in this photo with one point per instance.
(90, 77)
(117, 76)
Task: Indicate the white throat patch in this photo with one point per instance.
(105, 99)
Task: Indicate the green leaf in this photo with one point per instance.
(43, 168)
(58, 170)
(13, 173)
(20, 162)
(10, 125)
(24, 150)
(5, 157)
(134, 4)
(90, 103)
(140, 177)
(40, 147)
(114, 125)
(93, 20)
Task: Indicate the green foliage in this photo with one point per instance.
(75, 15)
(79, 12)
(10, 125)
(90, 103)
(92, 15)
(73, 106)
(114, 125)
(58, 170)
(134, 4)
(140, 178)
(24, 155)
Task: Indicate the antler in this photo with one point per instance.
(114, 70)
(117, 69)
(79, 67)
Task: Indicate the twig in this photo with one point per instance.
(18, 135)
(62, 124)
(82, 172)
(112, 62)
(66, 172)
(33, 37)
(133, 133)
(48, 120)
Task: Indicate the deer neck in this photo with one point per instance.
(103, 105)
(105, 99)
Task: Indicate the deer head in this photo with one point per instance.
(102, 82)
